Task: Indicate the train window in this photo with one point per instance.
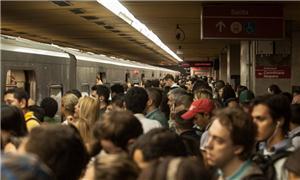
(56, 90)
(22, 79)
(159, 74)
(152, 74)
(11, 80)
(85, 89)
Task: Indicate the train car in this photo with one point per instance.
(50, 70)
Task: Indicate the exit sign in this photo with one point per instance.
(242, 22)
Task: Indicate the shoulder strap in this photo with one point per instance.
(296, 135)
(270, 170)
(279, 156)
(32, 119)
(264, 161)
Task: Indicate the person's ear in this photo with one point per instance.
(279, 123)
(149, 102)
(238, 150)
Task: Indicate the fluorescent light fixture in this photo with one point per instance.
(118, 9)
(125, 17)
(91, 57)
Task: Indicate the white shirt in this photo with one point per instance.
(147, 124)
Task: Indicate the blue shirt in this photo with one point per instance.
(156, 114)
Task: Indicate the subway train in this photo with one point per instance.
(49, 70)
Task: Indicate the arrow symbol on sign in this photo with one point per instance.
(220, 25)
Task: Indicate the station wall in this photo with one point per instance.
(261, 84)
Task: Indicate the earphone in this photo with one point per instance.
(278, 124)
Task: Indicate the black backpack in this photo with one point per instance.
(266, 163)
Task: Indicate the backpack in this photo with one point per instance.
(291, 138)
(266, 163)
(295, 135)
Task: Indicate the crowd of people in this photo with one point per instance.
(169, 129)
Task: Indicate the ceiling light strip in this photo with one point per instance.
(118, 9)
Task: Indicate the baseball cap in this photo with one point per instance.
(204, 105)
(178, 118)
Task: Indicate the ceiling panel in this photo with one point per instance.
(88, 26)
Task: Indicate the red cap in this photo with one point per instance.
(200, 106)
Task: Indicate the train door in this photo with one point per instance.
(101, 78)
(85, 89)
(22, 79)
(127, 77)
(142, 78)
(56, 91)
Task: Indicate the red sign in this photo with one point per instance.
(262, 10)
(273, 72)
(242, 22)
(202, 71)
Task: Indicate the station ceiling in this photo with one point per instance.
(88, 26)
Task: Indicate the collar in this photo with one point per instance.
(139, 115)
(152, 112)
(240, 171)
(281, 146)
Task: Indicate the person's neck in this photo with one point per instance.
(24, 110)
(279, 136)
(182, 130)
(103, 105)
(232, 166)
(150, 109)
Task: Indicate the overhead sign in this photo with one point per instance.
(201, 71)
(242, 22)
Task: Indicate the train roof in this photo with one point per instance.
(18, 44)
